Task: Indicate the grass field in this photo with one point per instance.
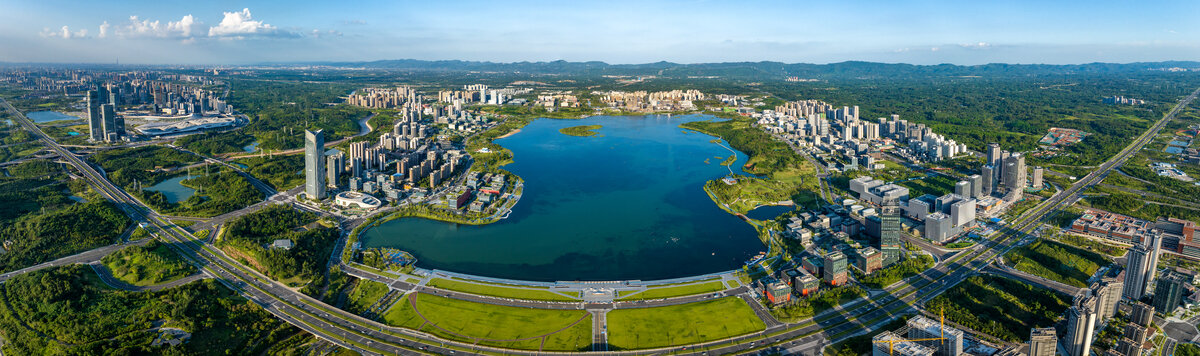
(681, 324)
(494, 325)
(496, 290)
(677, 291)
(1057, 261)
(364, 294)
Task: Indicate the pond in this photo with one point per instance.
(769, 212)
(48, 116)
(173, 189)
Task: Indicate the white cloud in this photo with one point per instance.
(64, 33)
(329, 33)
(234, 25)
(241, 24)
(980, 45)
(138, 28)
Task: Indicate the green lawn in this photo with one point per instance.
(681, 324)
(364, 294)
(678, 291)
(1057, 261)
(494, 325)
(151, 264)
(497, 290)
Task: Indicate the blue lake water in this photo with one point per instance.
(768, 212)
(73, 133)
(253, 146)
(48, 116)
(626, 204)
(173, 190)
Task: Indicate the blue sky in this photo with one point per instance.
(920, 32)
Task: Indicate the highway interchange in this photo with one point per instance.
(370, 337)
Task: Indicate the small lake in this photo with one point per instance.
(252, 147)
(769, 212)
(628, 203)
(48, 116)
(173, 189)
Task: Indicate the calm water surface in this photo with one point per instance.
(626, 204)
(173, 191)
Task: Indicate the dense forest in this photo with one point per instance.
(252, 234)
(42, 310)
(42, 237)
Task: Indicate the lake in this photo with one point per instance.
(625, 204)
(769, 212)
(173, 190)
(253, 146)
(48, 116)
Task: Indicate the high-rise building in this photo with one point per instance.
(1140, 267)
(95, 118)
(976, 185)
(920, 327)
(993, 155)
(889, 232)
(1168, 290)
(1014, 172)
(333, 168)
(1127, 347)
(989, 179)
(314, 164)
(835, 268)
(1035, 177)
(1141, 313)
(1081, 322)
(1136, 333)
(108, 122)
(963, 188)
(1108, 292)
(1043, 342)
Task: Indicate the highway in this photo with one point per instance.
(369, 337)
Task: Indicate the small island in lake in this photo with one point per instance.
(581, 131)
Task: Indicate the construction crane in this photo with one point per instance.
(941, 330)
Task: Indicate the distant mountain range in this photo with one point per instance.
(756, 69)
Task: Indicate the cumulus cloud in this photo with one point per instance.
(241, 24)
(234, 25)
(980, 45)
(144, 28)
(64, 33)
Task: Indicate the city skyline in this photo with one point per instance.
(620, 33)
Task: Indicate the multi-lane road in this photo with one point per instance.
(367, 336)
